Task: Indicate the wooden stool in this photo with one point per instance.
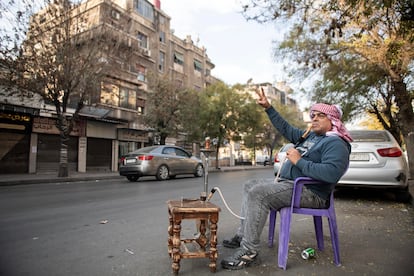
(202, 211)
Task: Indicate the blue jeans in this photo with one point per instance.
(259, 195)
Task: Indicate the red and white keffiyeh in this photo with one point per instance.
(334, 114)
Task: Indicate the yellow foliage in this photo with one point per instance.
(370, 121)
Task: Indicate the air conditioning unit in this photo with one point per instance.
(115, 14)
(141, 77)
(147, 52)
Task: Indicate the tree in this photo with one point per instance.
(223, 113)
(360, 89)
(371, 122)
(171, 109)
(261, 133)
(50, 54)
(253, 126)
(376, 35)
(189, 114)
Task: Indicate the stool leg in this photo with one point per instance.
(202, 240)
(176, 241)
(213, 242)
(170, 234)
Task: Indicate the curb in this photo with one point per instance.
(56, 180)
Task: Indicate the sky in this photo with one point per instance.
(239, 49)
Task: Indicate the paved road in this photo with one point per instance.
(115, 227)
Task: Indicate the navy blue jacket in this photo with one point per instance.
(325, 158)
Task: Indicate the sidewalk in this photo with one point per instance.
(51, 177)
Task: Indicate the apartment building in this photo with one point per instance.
(111, 122)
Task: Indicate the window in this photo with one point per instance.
(114, 95)
(168, 151)
(198, 66)
(162, 37)
(145, 9)
(123, 97)
(110, 94)
(141, 72)
(140, 106)
(142, 40)
(81, 26)
(132, 100)
(162, 19)
(128, 98)
(182, 153)
(283, 98)
(161, 62)
(179, 58)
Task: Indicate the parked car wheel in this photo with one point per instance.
(199, 171)
(162, 173)
(403, 195)
(133, 178)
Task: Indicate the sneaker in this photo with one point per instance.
(242, 258)
(233, 242)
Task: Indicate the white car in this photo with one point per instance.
(376, 161)
(280, 157)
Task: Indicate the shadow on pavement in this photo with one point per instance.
(373, 194)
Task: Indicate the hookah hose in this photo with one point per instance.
(224, 201)
(302, 138)
(304, 135)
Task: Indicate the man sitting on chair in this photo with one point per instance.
(322, 154)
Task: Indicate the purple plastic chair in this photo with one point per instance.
(285, 218)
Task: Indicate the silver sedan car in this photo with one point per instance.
(163, 162)
(376, 160)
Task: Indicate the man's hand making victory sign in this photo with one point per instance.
(262, 101)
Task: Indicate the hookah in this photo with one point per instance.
(206, 151)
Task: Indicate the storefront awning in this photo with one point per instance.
(95, 112)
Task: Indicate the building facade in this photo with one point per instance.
(111, 122)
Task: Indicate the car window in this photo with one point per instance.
(286, 147)
(182, 153)
(169, 151)
(369, 136)
(145, 150)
